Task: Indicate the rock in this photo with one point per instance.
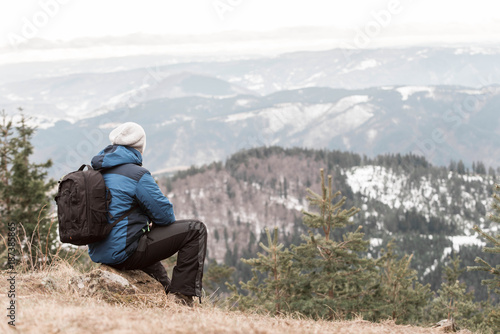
(446, 325)
(138, 279)
(115, 285)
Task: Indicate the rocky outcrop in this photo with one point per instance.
(446, 325)
(116, 286)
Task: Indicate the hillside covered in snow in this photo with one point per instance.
(427, 211)
(435, 122)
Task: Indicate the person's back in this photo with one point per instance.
(128, 181)
(150, 232)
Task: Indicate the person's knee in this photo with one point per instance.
(201, 227)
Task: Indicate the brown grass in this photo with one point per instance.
(54, 308)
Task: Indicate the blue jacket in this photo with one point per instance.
(129, 183)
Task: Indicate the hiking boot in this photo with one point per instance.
(183, 299)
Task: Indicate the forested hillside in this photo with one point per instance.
(428, 211)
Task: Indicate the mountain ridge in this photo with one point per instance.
(266, 187)
(188, 130)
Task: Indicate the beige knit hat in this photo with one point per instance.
(129, 134)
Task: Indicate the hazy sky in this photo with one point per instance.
(383, 22)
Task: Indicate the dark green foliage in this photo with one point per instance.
(493, 247)
(480, 168)
(321, 277)
(332, 158)
(413, 221)
(473, 279)
(491, 172)
(24, 193)
(327, 274)
(460, 168)
(215, 277)
(339, 281)
(402, 296)
(193, 170)
(424, 233)
(269, 288)
(7, 150)
(453, 300)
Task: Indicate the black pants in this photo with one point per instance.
(189, 239)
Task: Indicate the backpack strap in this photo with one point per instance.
(128, 212)
(102, 169)
(82, 167)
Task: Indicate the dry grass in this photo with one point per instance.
(54, 308)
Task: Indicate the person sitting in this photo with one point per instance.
(150, 233)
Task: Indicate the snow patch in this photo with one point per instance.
(363, 65)
(407, 91)
(471, 178)
(379, 183)
(350, 101)
(256, 81)
(239, 117)
(334, 126)
(366, 64)
(376, 242)
(13, 97)
(296, 115)
(316, 76)
(243, 102)
(351, 112)
(473, 50)
(465, 240)
(432, 268)
(291, 203)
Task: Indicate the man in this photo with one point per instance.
(149, 233)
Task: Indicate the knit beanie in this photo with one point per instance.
(129, 134)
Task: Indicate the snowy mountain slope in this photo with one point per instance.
(428, 196)
(197, 130)
(79, 96)
(72, 90)
(358, 69)
(428, 211)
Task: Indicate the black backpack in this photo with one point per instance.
(82, 207)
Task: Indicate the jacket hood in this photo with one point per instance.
(114, 155)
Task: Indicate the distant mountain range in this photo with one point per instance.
(434, 121)
(439, 102)
(77, 89)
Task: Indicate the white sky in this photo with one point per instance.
(417, 21)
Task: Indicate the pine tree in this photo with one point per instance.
(454, 301)
(460, 167)
(491, 172)
(335, 279)
(6, 153)
(216, 275)
(26, 192)
(494, 282)
(328, 274)
(402, 294)
(268, 290)
(480, 168)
